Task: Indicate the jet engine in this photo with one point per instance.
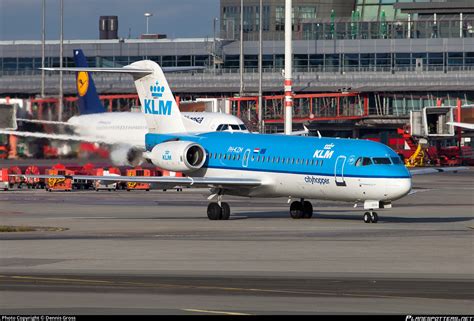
(126, 156)
(178, 156)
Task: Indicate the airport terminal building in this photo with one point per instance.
(397, 55)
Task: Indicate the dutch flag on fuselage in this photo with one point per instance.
(259, 151)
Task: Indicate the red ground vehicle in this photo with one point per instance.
(4, 182)
(34, 182)
(15, 181)
(59, 184)
(138, 171)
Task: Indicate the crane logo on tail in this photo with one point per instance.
(82, 83)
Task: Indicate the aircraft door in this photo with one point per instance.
(339, 171)
(245, 159)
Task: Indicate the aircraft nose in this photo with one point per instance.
(400, 188)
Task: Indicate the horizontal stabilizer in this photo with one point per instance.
(122, 70)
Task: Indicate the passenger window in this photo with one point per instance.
(381, 160)
(321, 162)
(225, 156)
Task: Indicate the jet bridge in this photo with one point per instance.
(432, 122)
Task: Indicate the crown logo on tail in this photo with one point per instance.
(157, 90)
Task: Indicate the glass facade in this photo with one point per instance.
(344, 62)
(372, 9)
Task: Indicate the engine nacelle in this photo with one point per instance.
(178, 156)
(126, 156)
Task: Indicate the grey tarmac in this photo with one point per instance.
(157, 253)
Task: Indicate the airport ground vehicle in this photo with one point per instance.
(33, 182)
(4, 183)
(138, 171)
(106, 185)
(59, 183)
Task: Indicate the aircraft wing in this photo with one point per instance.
(432, 170)
(46, 122)
(76, 138)
(462, 125)
(170, 180)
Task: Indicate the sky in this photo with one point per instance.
(21, 19)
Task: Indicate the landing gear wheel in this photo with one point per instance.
(367, 217)
(214, 211)
(374, 217)
(225, 213)
(307, 209)
(296, 210)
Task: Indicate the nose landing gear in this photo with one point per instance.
(371, 217)
(301, 209)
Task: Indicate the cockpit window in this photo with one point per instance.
(363, 161)
(396, 160)
(224, 127)
(381, 160)
(242, 127)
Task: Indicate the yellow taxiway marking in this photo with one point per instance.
(55, 279)
(184, 286)
(215, 312)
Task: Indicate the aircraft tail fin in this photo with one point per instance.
(157, 101)
(89, 102)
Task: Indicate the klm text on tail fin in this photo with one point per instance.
(158, 103)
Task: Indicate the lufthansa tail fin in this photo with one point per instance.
(157, 101)
(89, 102)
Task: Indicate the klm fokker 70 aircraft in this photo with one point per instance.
(257, 165)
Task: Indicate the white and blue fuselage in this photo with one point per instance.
(301, 167)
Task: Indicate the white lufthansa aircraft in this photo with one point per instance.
(124, 131)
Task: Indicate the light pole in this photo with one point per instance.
(61, 41)
(241, 62)
(260, 66)
(214, 48)
(147, 16)
(43, 35)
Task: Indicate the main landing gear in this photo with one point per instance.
(371, 217)
(217, 212)
(301, 209)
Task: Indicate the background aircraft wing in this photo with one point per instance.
(432, 170)
(169, 180)
(46, 122)
(54, 136)
(462, 125)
